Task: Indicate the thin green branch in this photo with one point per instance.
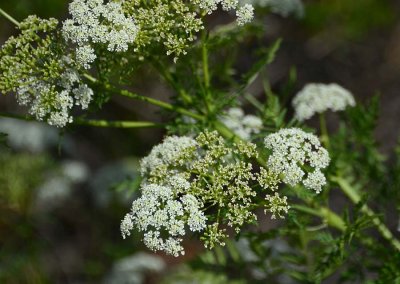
(117, 124)
(355, 197)
(168, 77)
(9, 17)
(324, 131)
(253, 101)
(330, 217)
(93, 122)
(204, 53)
(206, 71)
(161, 104)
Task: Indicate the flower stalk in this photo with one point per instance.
(9, 17)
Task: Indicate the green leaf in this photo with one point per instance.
(267, 56)
(3, 140)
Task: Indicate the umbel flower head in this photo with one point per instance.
(34, 65)
(209, 180)
(318, 98)
(242, 125)
(94, 22)
(293, 151)
(173, 25)
(160, 212)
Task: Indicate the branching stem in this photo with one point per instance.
(355, 197)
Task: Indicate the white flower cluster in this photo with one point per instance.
(318, 98)
(293, 150)
(284, 8)
(242, 125)
(166, 152)
(160, 211)
(95, 22)
(46, 102)
(244, 13)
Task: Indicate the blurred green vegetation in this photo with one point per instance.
(350, 19)
(20, 9)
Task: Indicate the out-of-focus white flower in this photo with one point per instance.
(318, 98)
(95, 22)
(75, 171)
(32, 136)
(133, 269)
(58, 187)
(242, 125)
(292, 149)
(52, 193)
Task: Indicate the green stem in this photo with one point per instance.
(324, 131)
(126, 93)
(204, 53)
(168, 77)
(252, 100)
(206, 72)
(93, 122)
(355, 197)
(117, 124)
(330, 217)
(8, 17)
